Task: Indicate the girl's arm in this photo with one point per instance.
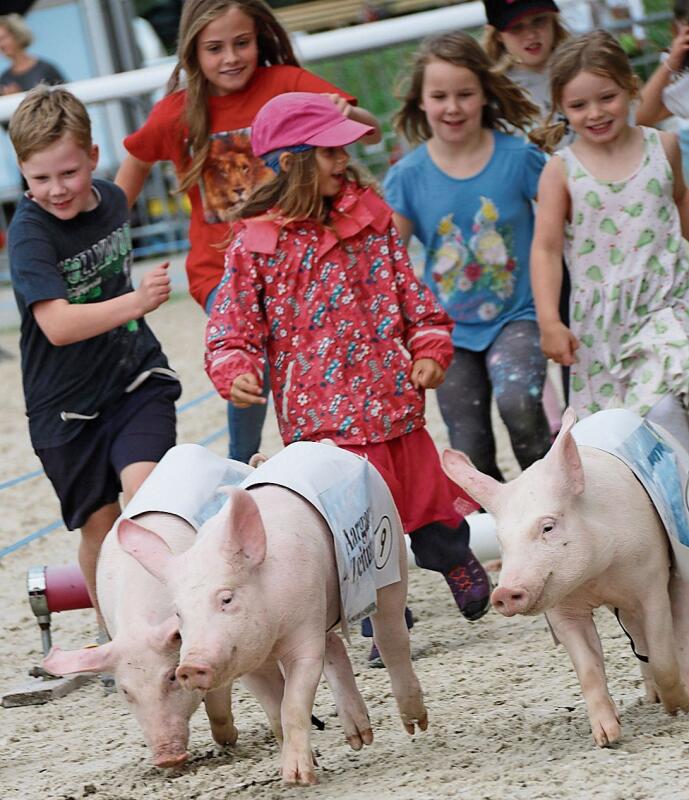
(427, 334)
(557, 341)
(358, 114)
(235, 334)
(651, 108)
(405, 227)
(131, 177)
(65, 323)
(680, 194)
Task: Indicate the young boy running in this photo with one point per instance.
(99, 391)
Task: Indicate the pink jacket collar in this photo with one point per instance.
(354, 209)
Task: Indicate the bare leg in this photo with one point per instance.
(634, 629)
(93, 531)
(219, 711)
(392, 637)
(350, 705)
(580, 638)
(303, 670)
(662, 656)
(132, 476)
(267, 685)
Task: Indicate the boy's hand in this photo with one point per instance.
(559, 343)
(154, 288)
(679, 50)
(247, 391)
(340, 102)
(426, 374)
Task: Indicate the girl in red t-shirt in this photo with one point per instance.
(236, 56)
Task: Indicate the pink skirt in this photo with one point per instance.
(410, 465)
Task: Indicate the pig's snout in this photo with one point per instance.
(510, 600)
(195, 676)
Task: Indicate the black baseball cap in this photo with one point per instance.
(503, 13)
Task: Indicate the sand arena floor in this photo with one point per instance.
(507, 721)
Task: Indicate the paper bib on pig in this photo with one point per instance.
(659, 462)
(358, 508)
(185, 482)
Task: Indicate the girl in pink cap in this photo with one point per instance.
(233, 56)
(317, 280)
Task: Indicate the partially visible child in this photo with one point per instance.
(520, 39)
(616, 205)
(666, 93)
(234, 56)
(466, 193)
(317, 278)
(100, 395)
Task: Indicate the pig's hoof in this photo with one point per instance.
(299, 775)
(360, 738)
(410, 723)
(606, 731)
(225, 734)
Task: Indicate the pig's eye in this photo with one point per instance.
(225, 599)
(172, 677)
(547, 526)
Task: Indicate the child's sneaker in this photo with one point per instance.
(470, 587)
(374, 659)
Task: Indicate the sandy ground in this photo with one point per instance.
(506, 716)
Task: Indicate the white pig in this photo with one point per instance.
(144, 652)
(260, 583)
(577, 531)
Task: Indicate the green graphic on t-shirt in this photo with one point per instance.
(85, 272)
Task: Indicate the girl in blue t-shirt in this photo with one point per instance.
(466, 193)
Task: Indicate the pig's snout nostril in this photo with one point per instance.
(509, 601)
(194, 676)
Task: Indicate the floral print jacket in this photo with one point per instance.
(340, 315)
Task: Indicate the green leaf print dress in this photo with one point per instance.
(629, 305)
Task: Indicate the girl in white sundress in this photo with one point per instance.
(615, 205)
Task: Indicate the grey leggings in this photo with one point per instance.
(512, 370)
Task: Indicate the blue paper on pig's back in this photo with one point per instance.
(658, 461)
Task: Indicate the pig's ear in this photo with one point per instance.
(88, 659)
(166, 635)
(564, 454)
(484, 489)
(245, 542)
(146, 547)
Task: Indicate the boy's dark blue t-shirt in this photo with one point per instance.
(86, 259)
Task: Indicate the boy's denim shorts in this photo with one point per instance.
(85, 472)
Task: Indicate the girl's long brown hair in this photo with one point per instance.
(274, 47)
(597, 52)
(507, 106)
(497, 52)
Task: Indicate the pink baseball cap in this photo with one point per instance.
(297, 118)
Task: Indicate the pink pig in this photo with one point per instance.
(260, 584)
(144, 652)
(577, 531)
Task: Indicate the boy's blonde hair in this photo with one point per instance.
(506, 104)
(597, 52)
(497, 52)
(295, 192)
(45, 115)
(18, 29)
(274, 47)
